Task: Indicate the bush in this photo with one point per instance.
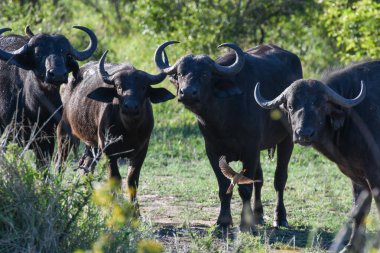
(62, 213)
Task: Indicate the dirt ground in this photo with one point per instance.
(176, 234)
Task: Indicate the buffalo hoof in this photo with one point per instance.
(136, 210)
(280, 223)
(246, 228)
(222, 231)
(258, 219)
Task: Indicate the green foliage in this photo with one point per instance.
(57, 214)
(198, 24)
(355, 26)
(39, 214)
(48, 16)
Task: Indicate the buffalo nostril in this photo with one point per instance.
(51, 73)
(181, 91)
(305, 133)
(131, 107)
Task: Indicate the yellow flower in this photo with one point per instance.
(149, 246)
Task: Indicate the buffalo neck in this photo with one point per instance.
(222, 114)
(41, 101)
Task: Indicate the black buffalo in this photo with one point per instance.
(340, 117)
(109, 107)
(220, 93)
(32, 68)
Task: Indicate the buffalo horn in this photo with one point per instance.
(346, 102)
(103, 73)
(236, 66)
(155, 79)
(28, 32)
(268, 104)
(164, 66)
(85, 54)
(8, 56)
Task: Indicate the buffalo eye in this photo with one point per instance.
(118, 87)
(290, 108)
(37, 53)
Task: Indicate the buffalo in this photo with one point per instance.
(220, 94)
(32, 68)
(340, 117)
(109, 107)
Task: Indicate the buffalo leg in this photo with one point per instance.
(362, 205)
(63, 145)
(284, 152)
(224, 218)
(43, 150)
(89, 159)
(245, 191)
(113, 170)
(134, 175)
(258, 211)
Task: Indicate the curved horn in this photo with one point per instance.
(28, 31)
(346, 102)
(164, 66)
(236, 66)
(268, 104)
(85, 54)
(4, 55)
(3, 30)
(155, 79)
(103, 73)
(8, 56)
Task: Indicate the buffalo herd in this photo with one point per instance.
(244, 102)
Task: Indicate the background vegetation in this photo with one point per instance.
(59, 214)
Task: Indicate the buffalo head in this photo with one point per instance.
(131, 87)
(313, 107)
(194, 76)
(50, 57)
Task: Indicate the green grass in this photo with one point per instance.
(178, 197)
(178, 191)
(178, 188)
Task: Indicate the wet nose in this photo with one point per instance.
(188, 92)
(305, 133)
(131, 107)
(56, 76)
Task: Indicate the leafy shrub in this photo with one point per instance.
(62, 213)
(355, 26)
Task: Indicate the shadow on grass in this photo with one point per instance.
(297, 237)
(300, 237)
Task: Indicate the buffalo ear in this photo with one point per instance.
(73, 66)
(103, 94)
(22, 60)
(174, 80)
(159, 95)
(337, 117)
